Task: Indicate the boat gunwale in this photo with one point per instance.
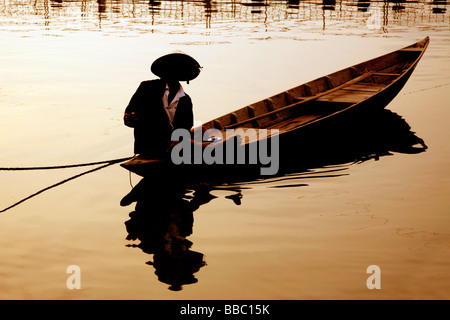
(421, 47)
(407, 71)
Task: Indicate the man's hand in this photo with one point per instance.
(130, 119)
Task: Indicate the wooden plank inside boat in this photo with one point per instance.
(372, 87)
(290, 124)
(347, 96)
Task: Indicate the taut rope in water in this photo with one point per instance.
(106, 163)
(428, 88)
(65, 166)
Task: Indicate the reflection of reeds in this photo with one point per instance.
(438, 6)
(403, 13)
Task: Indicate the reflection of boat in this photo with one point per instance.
(166, 200)
(315, 105)
(358, 138)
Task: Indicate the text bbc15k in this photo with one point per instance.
(226, 309)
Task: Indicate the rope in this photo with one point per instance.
(131, 182)
(65, 166)
(58, 184)
(105, 164)
(428, 88)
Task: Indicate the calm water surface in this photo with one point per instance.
(69, 69)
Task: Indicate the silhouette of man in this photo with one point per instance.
(160, 106)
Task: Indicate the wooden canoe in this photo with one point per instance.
(367, 86)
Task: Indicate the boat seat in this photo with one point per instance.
(387, 74)
(413, 49)
(290, 124)
(370, 87)
(346, 96)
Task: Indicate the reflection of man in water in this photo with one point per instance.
(162, 220)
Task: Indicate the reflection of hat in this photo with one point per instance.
(177, 66)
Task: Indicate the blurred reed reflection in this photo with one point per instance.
(363, 5)
(329, 4)
(166, 201)
(439, 6)
(210, 13)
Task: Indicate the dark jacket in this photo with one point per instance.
(152, 129)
